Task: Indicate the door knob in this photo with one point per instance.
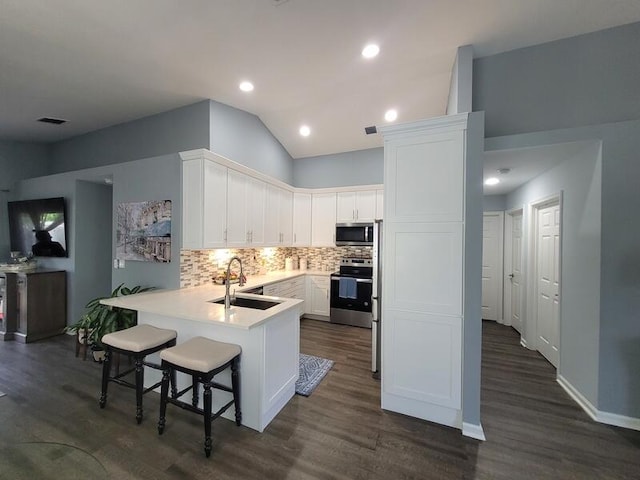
(511, 275)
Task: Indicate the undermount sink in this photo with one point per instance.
(249, 303)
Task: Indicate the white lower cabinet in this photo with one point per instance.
(291, 288)
(317, 302)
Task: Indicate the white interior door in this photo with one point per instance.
(548, 283)
(513, 272)
(492, 238)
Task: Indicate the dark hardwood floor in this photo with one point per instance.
(533, 429)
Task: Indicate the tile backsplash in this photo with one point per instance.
(198, 267)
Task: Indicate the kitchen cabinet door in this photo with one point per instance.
(256, 196)
(301, 219)
(204, 204)
(214, 219)
(323, 219)
(272, 215)
(237, 204)
(317, 293)
(365, 206)
(286, 218)
(358, 206)
(346, 207)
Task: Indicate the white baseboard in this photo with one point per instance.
(580, 399)
(523, 342)
(598, 415)
(472, 430)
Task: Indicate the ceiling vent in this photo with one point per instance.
(54, 121)
(370, 130)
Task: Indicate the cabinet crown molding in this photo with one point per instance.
(447, 122)
(203, 153)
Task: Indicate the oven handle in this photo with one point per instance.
(359, 280)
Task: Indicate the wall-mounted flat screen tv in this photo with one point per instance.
(38, 227)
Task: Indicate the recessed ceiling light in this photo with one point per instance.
(305, 131)
(246, 86)
(492, 181)
(391, 115)
(370, 50)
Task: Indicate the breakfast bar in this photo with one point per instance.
(269, 339)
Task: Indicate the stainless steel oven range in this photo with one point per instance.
(351, 291)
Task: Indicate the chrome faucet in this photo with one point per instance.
(227, 297)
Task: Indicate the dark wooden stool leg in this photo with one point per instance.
(235, 386)
(174, 384)
(207, 418)
(195, 391)
(139, 387)
(164, 393)
(106, 372)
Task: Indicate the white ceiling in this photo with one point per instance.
(526, 163)
(98, 63)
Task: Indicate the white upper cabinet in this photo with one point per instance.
(256, 217)
(359, 206)
(204, 200)
(379, 204)
(279, 213)
(286, 217)
(245, 210)
(301, 219)
(323, 219)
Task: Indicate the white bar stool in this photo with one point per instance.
(202, 358)
(137, 342)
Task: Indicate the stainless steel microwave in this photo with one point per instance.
(354, 234)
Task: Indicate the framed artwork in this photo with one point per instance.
(143, 231)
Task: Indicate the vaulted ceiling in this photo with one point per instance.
(99, 63)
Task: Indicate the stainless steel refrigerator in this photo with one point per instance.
(376, 300)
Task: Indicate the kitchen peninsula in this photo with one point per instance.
(270, 341)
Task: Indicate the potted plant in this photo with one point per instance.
(99, 319)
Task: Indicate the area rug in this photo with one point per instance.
(312, 371)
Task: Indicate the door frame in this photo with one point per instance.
(532, 269)
(508, 267)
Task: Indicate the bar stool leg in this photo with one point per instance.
(195, 391)
(106, 372)
(207, 418)
(235, 386)
(139, 387)
(164, 393)
(174, 384)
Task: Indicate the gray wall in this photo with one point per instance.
(586, 80)
(472, 326)
(242, 137)
(618, 383)
(93, 206)
(494, 203)
(155, 178)
(579, 180)
(18, 160)
(181, 129)
(360, 167)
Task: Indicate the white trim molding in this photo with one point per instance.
(599, 416)
(472, 430)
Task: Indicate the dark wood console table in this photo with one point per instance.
(34, 304)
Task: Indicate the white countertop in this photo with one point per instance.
(194, 303)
